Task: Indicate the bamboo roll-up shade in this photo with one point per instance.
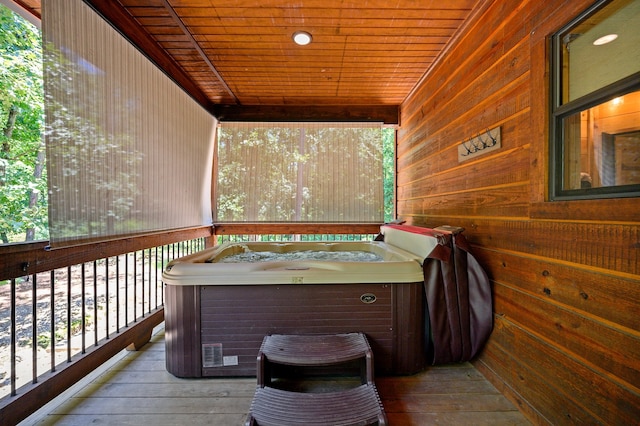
(299, 172)
(128, 151)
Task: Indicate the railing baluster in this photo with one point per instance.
(83, 310)
(34, 330)
(118, 294)
(142, 278)
(157, 275)
(162, 263)
(135, 287)
(150, 279)
(52, 326)
(69, 316)
(14, 308)
(95, 303)
(106, 291)
(126, 290)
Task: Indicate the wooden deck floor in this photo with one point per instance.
(137, 390)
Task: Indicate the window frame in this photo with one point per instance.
(559, 111)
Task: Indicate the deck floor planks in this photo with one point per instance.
(137, 390)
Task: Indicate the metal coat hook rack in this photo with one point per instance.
(484, 142)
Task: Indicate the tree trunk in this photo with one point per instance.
(6, 147)
(33, 195)
(8, 128)
(300, 176)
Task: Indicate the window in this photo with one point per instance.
(595, 111)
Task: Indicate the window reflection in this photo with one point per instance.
(595, 115)
(602, 145)
(601, 50)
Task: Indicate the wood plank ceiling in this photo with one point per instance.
(364, 53)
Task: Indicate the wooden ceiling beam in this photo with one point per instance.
(114, 13)
(197, 47)
(387, 114)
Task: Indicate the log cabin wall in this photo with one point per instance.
(566, 275)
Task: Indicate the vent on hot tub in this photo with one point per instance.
(212, 355)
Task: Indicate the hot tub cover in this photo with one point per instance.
(457, 289)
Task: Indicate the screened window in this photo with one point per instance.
(595, 123)
(299, 172)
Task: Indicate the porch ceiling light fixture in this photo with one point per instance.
(301, 38)
(605, 39)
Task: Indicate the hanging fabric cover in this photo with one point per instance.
(459, 305)
(459, 309)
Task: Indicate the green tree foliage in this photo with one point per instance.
(23, 180)
(389, 165)
(308, 174)
(23, 187)
(91, 166)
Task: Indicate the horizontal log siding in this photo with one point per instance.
(566, 275)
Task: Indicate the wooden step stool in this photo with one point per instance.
(359, 405)
(314, 351)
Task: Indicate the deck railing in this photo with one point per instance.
(241, 232)
(292, 237)
(65, 312)
(76, 316)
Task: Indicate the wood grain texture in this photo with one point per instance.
(138, 390)
(295, 228)
(566, 274)
(241, 53)
(566, 342)
(238, 318)
(33, 396)
(387, 114)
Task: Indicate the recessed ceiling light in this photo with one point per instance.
(605, 39)
(301, 38)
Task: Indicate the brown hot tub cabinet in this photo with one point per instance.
(217, 330)
(217, 314)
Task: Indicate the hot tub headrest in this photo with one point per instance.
(414, 239)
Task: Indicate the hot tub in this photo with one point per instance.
(217, 313)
